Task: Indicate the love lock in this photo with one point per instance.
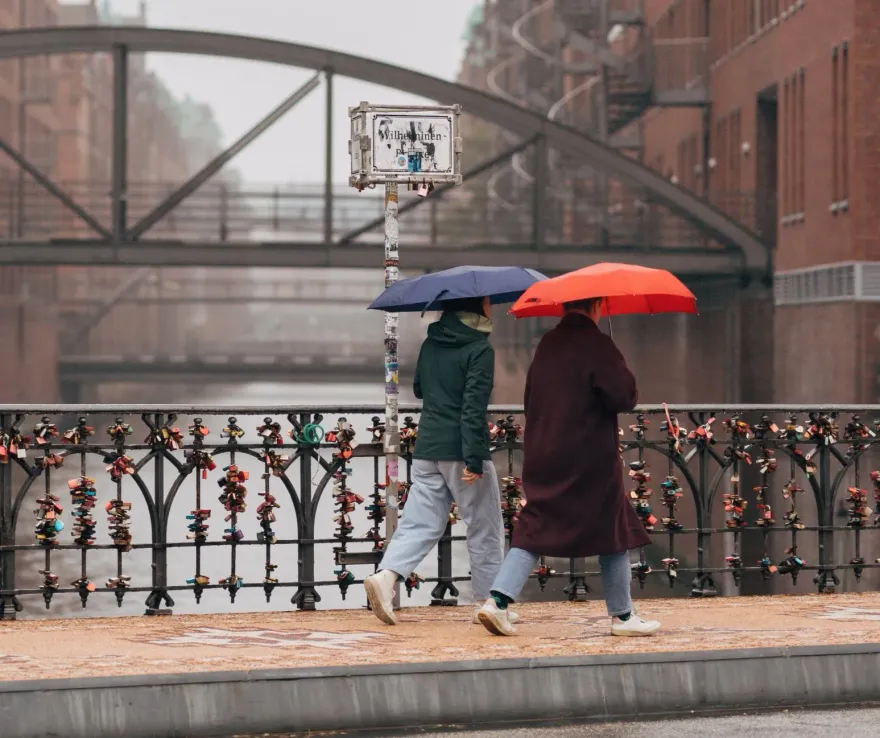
(671, 565)
(344, 578)
(413, 581)
(543, 573)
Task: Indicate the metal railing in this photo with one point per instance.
(749, 498)
(296, 214)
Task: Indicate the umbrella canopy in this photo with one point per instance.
(419, 294)
(627, 289)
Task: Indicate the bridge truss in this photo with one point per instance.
(652, 221)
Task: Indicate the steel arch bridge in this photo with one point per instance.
(740, 251)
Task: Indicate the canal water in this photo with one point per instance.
(216, 560)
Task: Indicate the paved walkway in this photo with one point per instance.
(49, 649)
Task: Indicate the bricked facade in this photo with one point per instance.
(790, 144)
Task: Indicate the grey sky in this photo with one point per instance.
(417, 35)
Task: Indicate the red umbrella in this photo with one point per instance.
(627, 289)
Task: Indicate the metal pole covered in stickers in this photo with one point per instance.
(417, 146)
(392, 375)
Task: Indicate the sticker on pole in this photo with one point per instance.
(416, 145)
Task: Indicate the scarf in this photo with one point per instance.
(477, 322)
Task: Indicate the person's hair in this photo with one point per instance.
(463, 305)
(586, 305)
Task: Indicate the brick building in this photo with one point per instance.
(767, 108)
(58, 112)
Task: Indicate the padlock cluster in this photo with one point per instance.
(792, 518)
(119, 465)
(233, 431)
(49, 525)
(79, 434)
(511, 502)
(266, 517)
(409, 432)
(735, 506)
(275, 463)
(270, 432)
(703, 435)
(197, 456)
(83, 498)
(344, 499)
(376, 429)
(231, 584)
(640, 495)
(119, 522)
(505, 431)
(233, 500)
(45, 431)
(676, 436)
(858, 434)
(670, 488)
(165, 437)
(859, 512)
(198, 525)
(376, 514)
(119, 431)
(13, 445)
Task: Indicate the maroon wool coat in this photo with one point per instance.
(572, 478)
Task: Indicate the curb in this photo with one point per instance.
(419, 695)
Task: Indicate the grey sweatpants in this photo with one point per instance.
(435, 484)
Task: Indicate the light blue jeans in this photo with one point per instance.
(616, 578)
(435, 484)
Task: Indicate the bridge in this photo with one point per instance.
(649, 220)
(221, 368)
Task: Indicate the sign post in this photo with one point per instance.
(420, 147)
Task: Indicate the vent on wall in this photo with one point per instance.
(845, 282)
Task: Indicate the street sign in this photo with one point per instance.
(419, 147)
(407, 145)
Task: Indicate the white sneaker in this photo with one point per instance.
(511, 615)
(380, 595)
(634, 626)
(496, 620)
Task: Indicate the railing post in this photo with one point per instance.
(306, 596)
(444, 572)
(9, 603)
(826, 579)
(159, 594)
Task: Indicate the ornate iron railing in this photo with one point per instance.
(752, 497)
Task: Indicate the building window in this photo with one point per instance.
(835, 128)
(844, 134)
(802, 141)
(784, 148)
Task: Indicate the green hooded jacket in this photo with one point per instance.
(454, 378)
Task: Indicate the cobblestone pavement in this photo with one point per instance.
(51, 649)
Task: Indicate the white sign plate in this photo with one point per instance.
(413, 146)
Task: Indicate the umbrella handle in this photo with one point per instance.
(610, 331)
(433, 300)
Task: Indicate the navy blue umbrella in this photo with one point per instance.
(419, 294)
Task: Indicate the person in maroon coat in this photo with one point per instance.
(572, 478)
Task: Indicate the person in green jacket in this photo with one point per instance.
(451, 461)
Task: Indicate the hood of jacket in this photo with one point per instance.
(450, 331)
